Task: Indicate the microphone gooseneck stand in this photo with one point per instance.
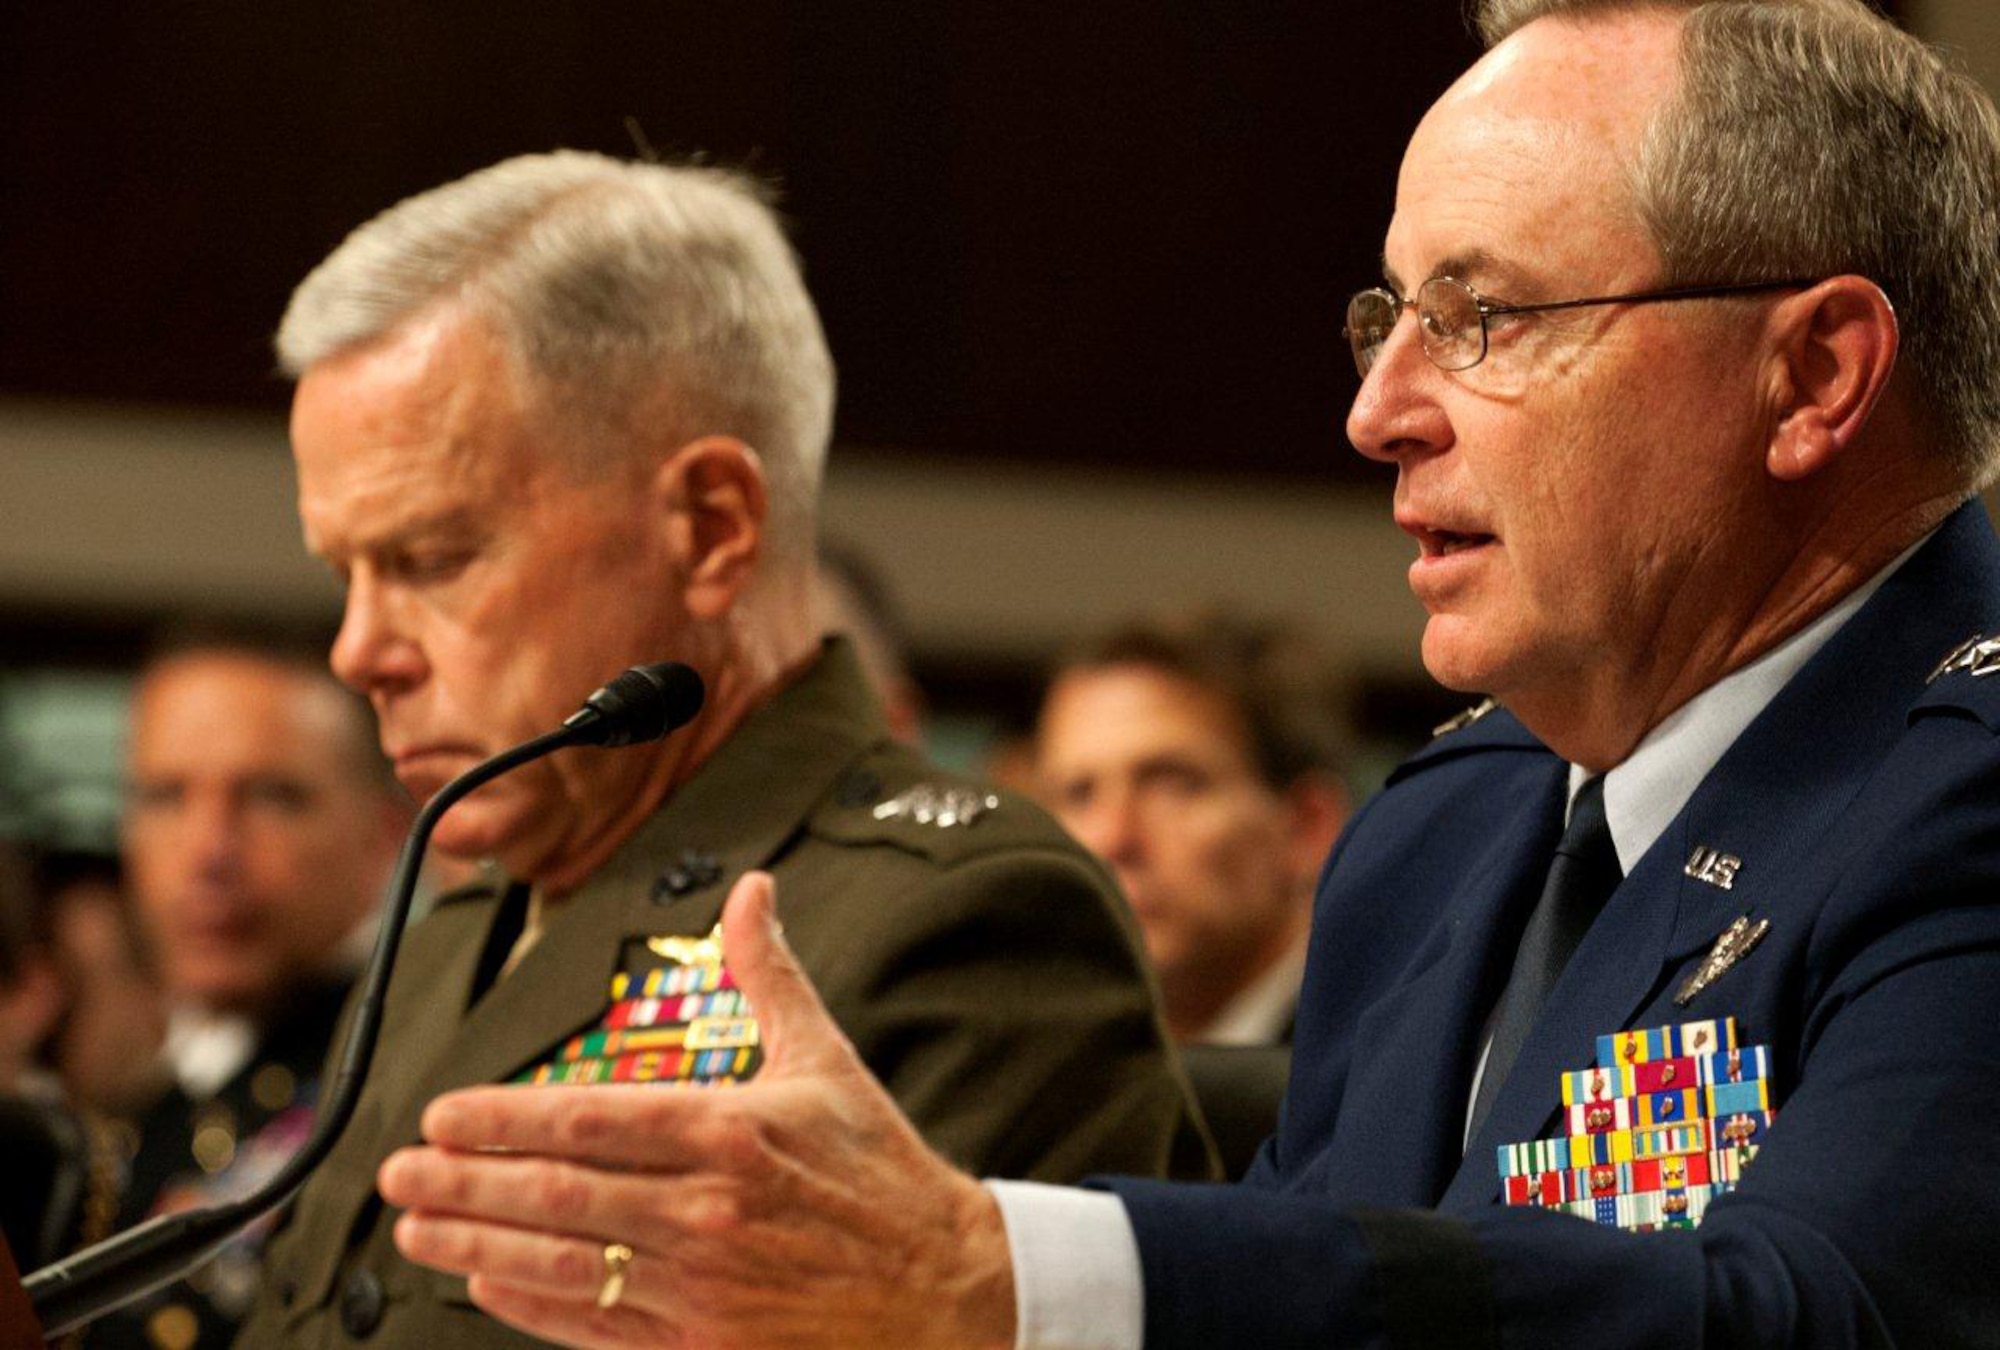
(643, 704)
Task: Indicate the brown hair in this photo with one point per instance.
(1291, 702)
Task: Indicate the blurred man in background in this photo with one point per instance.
(260, 826)
(44, 1186)
(1200, 755)
(113, 1014)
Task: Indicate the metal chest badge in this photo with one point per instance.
(1979, 654)
(1732, 945)
(677, 1018)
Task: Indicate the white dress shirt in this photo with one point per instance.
(1262, 1011)
(1078, 1284)
(205, 1049)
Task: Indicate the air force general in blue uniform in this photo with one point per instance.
(1864, 806)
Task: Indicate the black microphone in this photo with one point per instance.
(643, 704)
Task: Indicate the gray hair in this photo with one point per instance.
(1814, 138)
(608, 281)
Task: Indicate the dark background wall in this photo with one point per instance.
(1082, 267)
(1117, 233)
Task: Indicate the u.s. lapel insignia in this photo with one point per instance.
(1735, 943)
(943, 807)
(676, 1016)
(1461, 721)
(1979, 654)
(1713, 866)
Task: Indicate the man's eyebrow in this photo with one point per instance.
(1477, 267)
(399, 533)
(1471, 265)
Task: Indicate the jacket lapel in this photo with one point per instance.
(1769, 802)
(1416, 1047)
(738, 812)
(434, 974)
(1610, 975)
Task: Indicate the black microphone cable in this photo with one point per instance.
(643, 704)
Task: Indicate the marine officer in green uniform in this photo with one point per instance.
(562, 416)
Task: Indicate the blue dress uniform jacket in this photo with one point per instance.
(1864, 803)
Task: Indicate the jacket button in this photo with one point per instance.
(692, 872)
(361, 1304)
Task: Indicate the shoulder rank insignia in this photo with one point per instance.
(1659, 1129)
(1979, 654)
(1464, 719)
(1734, 943)
(944, 807)
(681, 1021)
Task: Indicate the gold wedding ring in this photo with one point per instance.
(617, 1256)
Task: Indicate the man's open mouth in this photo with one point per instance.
(1444, 543)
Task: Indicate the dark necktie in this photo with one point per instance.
(1581, 879)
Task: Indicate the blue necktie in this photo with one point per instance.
(1582, 877)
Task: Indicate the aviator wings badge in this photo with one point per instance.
(1979, 654)
(1735, 943)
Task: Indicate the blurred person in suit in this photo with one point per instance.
(57, 1189)
(104, 1049)
(1200, 754)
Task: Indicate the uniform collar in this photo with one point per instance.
(749, 797)
(1643, 794)
(740, 810)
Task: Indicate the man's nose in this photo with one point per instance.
(214, 829)
(1396, 410)
(1114, 831)
(372, 653)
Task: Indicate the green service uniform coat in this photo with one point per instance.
(985, 969)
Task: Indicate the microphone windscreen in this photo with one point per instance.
(644, 704)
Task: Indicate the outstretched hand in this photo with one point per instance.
(799, 1209)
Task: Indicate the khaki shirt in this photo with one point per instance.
(985, 970)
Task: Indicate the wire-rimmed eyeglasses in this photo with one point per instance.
(1451, 316)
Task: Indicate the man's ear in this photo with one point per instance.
(713, 502)
(1837, 348)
